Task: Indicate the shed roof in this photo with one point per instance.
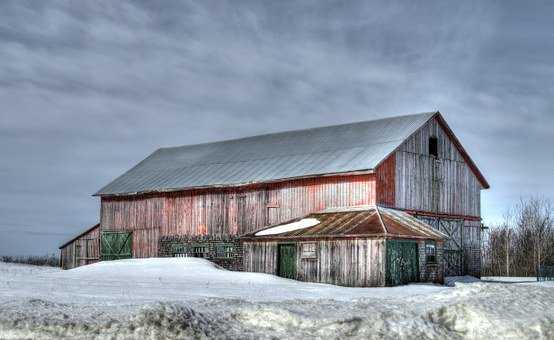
(338, 149)
(79, 235)
(363, 221)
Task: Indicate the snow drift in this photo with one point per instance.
(192, 298)
(284, 228)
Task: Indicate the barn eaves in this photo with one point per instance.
(355, 222)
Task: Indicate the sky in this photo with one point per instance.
(90, 88)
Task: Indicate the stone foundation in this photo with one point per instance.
(432, 271)
(224, 251)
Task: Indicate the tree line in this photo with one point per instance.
(523, 241)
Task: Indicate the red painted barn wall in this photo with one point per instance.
(385, 178)
(231, 211)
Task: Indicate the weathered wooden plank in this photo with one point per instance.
(385, 182)
(83, 250)
(237, 211)
(355, 262)
(445, 184)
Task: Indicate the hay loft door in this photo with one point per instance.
(286, 261)
(116, 245)
(402, 262)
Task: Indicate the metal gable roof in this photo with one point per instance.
(301, 153)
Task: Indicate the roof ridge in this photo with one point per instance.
(301, 130)
(381, 220)
(333, 149)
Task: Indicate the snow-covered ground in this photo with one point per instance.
(186, 297)
(512, 279)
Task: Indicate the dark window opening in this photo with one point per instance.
(431, 252)
(179, 250)
(224, 250)
(199, 251)
(433, 146)
(189, 250)
(309, 250)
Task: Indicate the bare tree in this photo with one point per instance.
(523, 242)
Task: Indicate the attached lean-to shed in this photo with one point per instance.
(358, 246)
(82, 249)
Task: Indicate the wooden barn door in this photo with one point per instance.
(453, 254)
(287, 261)
(116, 245)
(402, 262)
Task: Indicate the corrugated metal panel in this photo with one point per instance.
(327, 150)
(359, 222)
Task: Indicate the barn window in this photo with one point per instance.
(434, 146)
(179, 250)
(309, 250)
(431, 252)
(224, 250)
(199, 250)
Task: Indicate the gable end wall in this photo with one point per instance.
(443, 185)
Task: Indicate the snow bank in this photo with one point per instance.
(451, 281)
(302, 224)
(162, 279)
(513, 279)
(192, 298)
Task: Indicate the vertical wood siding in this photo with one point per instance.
(385, 182)
(145, 243)
(352, 262)
(444, 185)
(472, 248)
(260, 257)
(234, 211)
(81, 251)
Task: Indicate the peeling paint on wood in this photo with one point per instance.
(234, 212)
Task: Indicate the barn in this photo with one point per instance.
(356, 247)
(206, 200)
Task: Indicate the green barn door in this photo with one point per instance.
(116, 245)
(402, 262)
(287, 261)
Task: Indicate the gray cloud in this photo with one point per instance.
(90, 88)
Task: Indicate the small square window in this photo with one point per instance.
(431, 252)
(309, 250)
(434, 146)
(224, 250)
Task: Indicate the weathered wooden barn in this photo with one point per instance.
(199, 200)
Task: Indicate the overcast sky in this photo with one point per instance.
(89, 88)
